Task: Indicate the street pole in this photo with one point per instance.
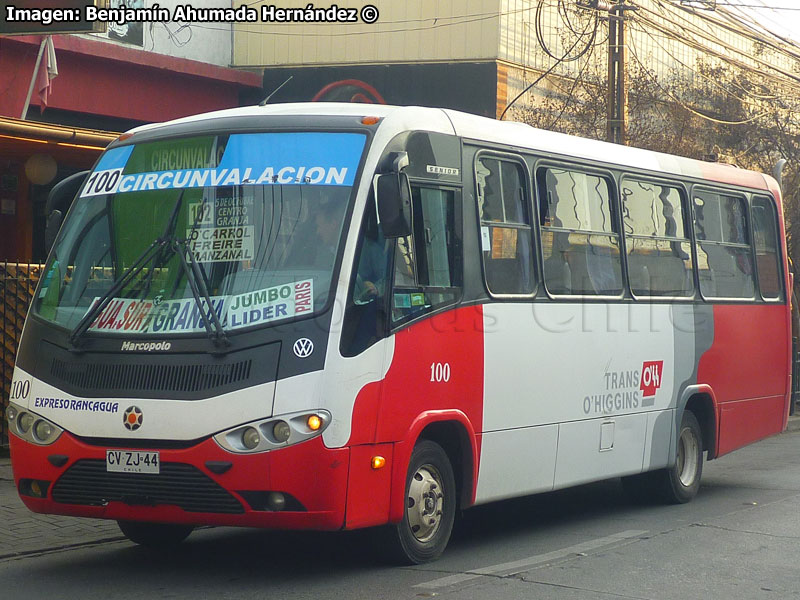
(617, 90)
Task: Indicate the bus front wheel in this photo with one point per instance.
(154, 535)
(430, 506)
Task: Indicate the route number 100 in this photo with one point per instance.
(440, 372)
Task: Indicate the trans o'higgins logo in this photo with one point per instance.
(132, 418)
(626, 390)
(651, 377)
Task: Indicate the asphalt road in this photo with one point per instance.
(738, 539)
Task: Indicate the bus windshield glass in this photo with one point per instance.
(250, 222)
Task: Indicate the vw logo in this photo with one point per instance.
(132, 418)
(303, 348)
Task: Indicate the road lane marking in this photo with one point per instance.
(524, 564)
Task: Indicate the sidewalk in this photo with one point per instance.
(24, 532)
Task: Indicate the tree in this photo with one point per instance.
(718, 111)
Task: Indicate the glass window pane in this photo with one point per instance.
(501, 191)
(725, 271)
(724, 255)
(659, 255)
(581, 264)
(507, 250)
(765, 234)
(658, 267)
(578, 201)
(720, 218)
(652, 210)
(586, 260)
(427, 268)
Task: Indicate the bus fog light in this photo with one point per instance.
(281, 431)
(314, 422)
(276, 501)
(42, 430)
(251, 438)
(24, 422)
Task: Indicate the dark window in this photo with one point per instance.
(765, 238)
(365, 316)
(580, 241)
(505, 222)
(656, 240)
(724, 255)
(427, 265)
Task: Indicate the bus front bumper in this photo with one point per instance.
(297, 487)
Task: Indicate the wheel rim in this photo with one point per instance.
(688, 453)
(425, 503)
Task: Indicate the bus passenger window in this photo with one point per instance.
(765, 238)
(506, 243)
(427, 264)
(656, 240)
(724, 255)
(580, 243)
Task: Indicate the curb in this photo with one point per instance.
(793, 424)
(58, 548)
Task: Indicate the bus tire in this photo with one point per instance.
(680, 483)
(430, 500)
(154, 535)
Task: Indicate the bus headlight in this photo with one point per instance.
(24, 422)
(251, 438)
(274, 433)
(281, 431)
(42, 430)
(31, 427)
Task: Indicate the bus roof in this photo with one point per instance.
(519, 135)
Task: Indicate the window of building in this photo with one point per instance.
(724, 254)
(765, 238)
(580, 241)
(504, 212)
(656, 239)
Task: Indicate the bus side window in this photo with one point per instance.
(765, 238)
(580, 243)
(507, 246)
(724, 254)
(656, 239)
(427, 265)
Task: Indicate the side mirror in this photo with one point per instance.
(393, 192)
(52, 226)
(58, 202)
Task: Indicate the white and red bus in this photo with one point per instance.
(322, 316)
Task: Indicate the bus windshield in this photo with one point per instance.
(248, 223)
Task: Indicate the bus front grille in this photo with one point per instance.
(88, 483)
(123, 376)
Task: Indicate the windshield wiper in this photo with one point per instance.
(145, 258)
(197, 283)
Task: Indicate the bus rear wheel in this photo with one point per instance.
(679, 483)
(154, 535)
(430, 506)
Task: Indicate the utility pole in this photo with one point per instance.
(617, 59)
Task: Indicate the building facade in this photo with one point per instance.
(479, 55)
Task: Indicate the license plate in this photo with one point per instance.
(132, 461)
